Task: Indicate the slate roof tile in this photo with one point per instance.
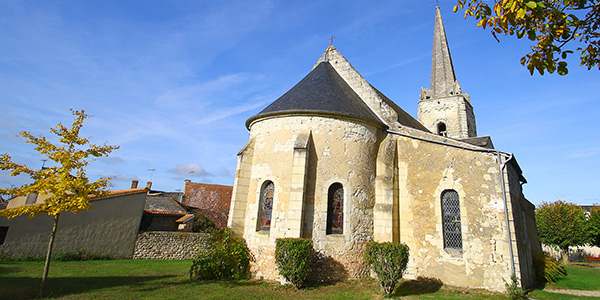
(162, 205)
(323, 90)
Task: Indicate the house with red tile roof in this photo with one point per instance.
(211, 200)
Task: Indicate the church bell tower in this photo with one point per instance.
(443, 108)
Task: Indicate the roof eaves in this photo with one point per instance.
(339, 115)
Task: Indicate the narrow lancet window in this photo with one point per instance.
(335, 209)
(266, 206)
(451, 220)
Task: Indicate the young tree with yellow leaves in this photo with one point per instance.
(66, 184)
(551, 24)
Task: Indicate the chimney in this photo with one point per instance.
(134, 184)
(149, 185)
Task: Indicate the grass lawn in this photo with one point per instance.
(154, 279)
(580, 278)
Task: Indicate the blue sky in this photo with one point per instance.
(172, 82)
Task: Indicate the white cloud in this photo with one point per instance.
(224, 173)
(189, 169)
(584, 153)
(112, 160)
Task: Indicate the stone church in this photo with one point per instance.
(337, 161)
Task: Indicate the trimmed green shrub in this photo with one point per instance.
(226, 257)
(79, 255)
(549, 269)
(202, 224)
(514, 291)
(388, 261)
(293, 258)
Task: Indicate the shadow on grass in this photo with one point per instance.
(5, 269)
(419, 286)
(28, 287)
(229, 283)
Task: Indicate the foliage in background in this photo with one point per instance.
(226, 257)
(388, 261)
(202, 223)
(11, 257)
(550, 24)
(293, 258)
(595, 225)
(79, 255)
(548, 269)
(513, 290)
(562, 224)
(66, 184)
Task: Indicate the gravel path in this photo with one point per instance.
(574, 292)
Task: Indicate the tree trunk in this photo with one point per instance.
(49, 254)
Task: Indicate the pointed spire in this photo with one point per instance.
(443, 80)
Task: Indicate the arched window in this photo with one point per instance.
(335, 209)
(441, 128)
(265, 207)
(451, 219)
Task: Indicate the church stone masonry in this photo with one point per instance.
(335, 160)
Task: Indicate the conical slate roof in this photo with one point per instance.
(322, 91)
(443, 79)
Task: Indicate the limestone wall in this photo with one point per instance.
(335, 151)
(525, 240)
(424, 171)
(169, 245)
(392, 192)
(454, 111)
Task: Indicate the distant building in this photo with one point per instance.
(161, 212)
(587, 208)
(211, 200)
(3, 203)
(31, 199)
(110, 227)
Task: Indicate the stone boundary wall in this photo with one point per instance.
(169, 245)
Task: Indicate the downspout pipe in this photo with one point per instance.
(501, 166)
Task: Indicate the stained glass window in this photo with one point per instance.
(335, 209)
(266, 205)
(451, 219)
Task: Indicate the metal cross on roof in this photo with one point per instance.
(331, 39)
